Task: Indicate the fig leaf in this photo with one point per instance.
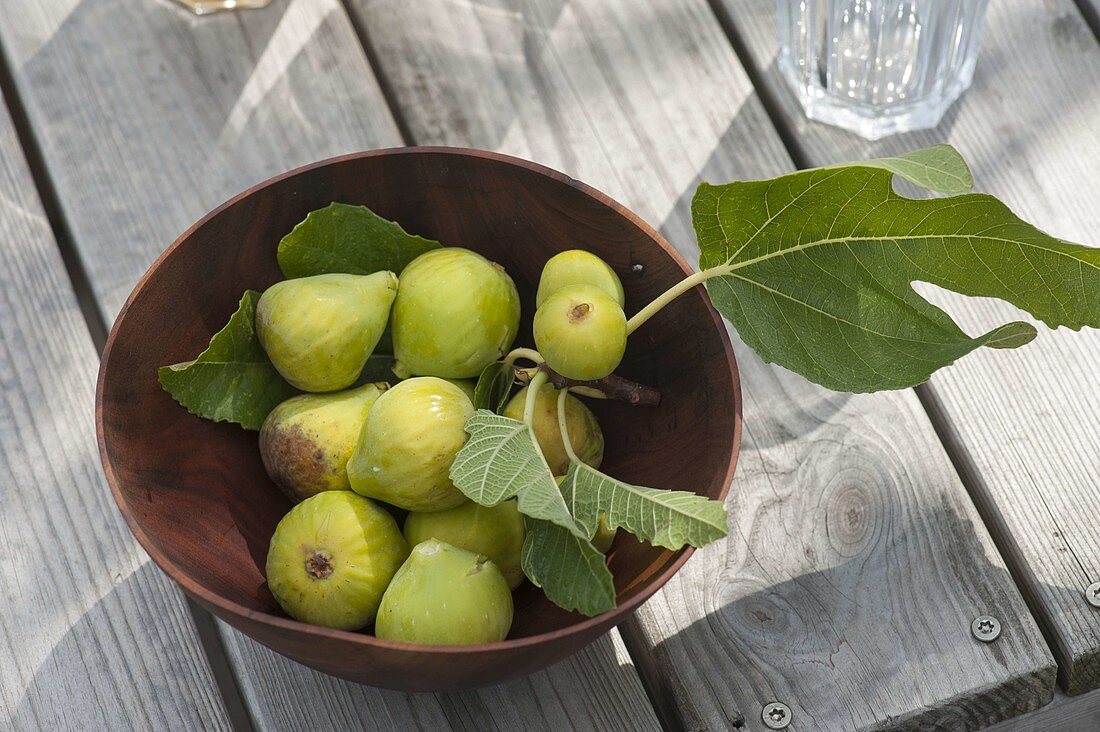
(341, 238)
(572, 572)
(502, 460)
(662, 517)
(494, 386)
(233, 379)
(815, 269)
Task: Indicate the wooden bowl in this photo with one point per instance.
(195, 494)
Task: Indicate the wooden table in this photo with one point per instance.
(867, 531)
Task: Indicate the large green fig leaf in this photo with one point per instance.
(814, 269)
(666, 518)
(572, 572)
(348, 239)
(233, 379)
(502, 460)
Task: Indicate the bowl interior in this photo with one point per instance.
(195, 492)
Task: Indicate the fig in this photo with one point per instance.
(306, 441)
(319, 331)
(496, 532)
(585, 435)
(408, 443)
(455, 313)
(443, 594)
(578, 267)
(581, 332)
(467, 386)
(604, 537)
(332, 558)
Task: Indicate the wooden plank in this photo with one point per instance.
(1064, 714)
(91, 635)
(597, 689)
(1024, 426)
(147, 118)
(856, 561)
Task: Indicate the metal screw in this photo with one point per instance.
(1092, 594)
(986, 628)
(776, 715)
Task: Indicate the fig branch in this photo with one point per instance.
(613, 387)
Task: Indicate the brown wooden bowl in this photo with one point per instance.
(195, 493)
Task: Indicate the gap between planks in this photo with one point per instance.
(1090, 10)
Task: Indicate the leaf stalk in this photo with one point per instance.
(672, 293)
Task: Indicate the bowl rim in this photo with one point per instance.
(208, 597)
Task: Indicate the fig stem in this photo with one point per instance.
(609, 387)
(564, 428)
(671, 294)
(532, 394)
(528, 353)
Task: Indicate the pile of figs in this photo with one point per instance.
(357, 458)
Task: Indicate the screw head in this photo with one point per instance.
(1092, 594)
(986, 628)
(637, 268)
(776, 715)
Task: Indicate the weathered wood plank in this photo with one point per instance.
(597, 689)
(147, 118)
(857, 560)
(1024, 425)
(1064, 714)
(91, 636)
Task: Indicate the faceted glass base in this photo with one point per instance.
(875, 122)
(205, 7)
(878, 67)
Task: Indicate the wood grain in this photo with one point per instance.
(147, 118)
(91, 635)
(597, 689)
(1024, 426)
(857, 560)
(1079, 713)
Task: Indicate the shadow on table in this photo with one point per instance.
(872, 640)
(96, 678)
(133, 686)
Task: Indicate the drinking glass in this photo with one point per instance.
(203, 7)
(877, 67)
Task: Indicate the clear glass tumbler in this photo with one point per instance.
(204, 7)
(877, 67)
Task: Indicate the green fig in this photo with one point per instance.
(306, 441)
(331, 559)
(581, 332)
(445, 595)
(604, 536)
(496, 532)
(584, 431)
(467, 386)
(578, 267)
(456, 313)
(319, 331)
(408, 443)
